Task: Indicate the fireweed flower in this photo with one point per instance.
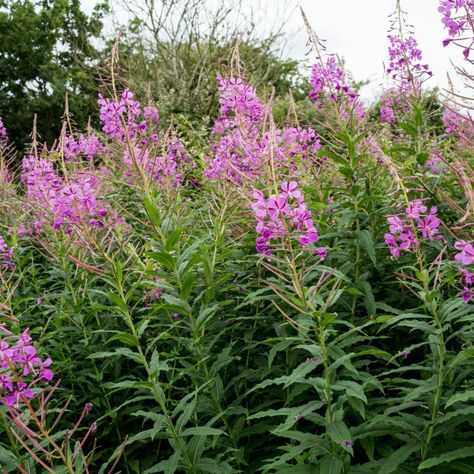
(240, 145)
(435, 162)
(70, 200)
(459, 125)
(466, 254)
(457, 18)
(328, 80)
(22, 370)
(161, 155)
(404, 228)
(85, 147)
(393, 104)
(407, 71)
(6, 256)
(465, 257)
(283, 215)
(405, 63)
(3, 133)
(404, 354)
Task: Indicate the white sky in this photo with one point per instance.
(357, 31)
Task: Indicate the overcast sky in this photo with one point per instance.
(357, 31)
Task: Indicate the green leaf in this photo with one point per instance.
(166, 259)
(156, 365)
(460, 397)
(408, 128)
(152, 211)
(300, 372)
(334, 157)
(447, 457)
(339, 432)
(8, 460)
(367, 242)
(173, 239)
(187, 284)
(398, 457)
(331, 465)
(202, 431)
(352, 389)
(126, 338)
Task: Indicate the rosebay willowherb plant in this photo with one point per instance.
(292, 298)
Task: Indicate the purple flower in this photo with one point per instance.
(467, 294)
(457, 19)
(328, 80)
(466, 254)
(346, 443)
(282, 214)
(3, 134)
(22, 368)
(404, 354)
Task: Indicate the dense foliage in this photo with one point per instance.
(274, 297)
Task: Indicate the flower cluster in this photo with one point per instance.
(241, 147)
(404, 230)
(21, 369)
(71, 200)
(87, 146)
(458, 125)
(3, 133)
(6, 255)
(466, 258)
(284, 214)
(239, 98)
(329, 80)
(434, 164)
(121, 116)
(458, 19)
(159, 155)
(405, 63)
(160, 167)
(393, 104)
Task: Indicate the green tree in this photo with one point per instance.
(47, 51)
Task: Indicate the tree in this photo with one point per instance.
(47, 52)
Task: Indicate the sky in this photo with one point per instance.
(357, 31)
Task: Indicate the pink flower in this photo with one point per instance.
(415, 208)
(466, 254)
(467, 294)
(282, 214)
(468, 277)
(22, 368)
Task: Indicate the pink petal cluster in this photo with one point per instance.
(393, 104)
(6, 255)
(241, 147)
(3, 133)
(21, 368)
(160, 167)
(404, 229)
(434, 164)
(459, 125)
(153, 294)
(283, 214)
(405, 63)
(70, 200)
(458, 19)
(329, 80)
(158, 154)
(87, 146)
(115, 116)
(466, 257)
(466, 252)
